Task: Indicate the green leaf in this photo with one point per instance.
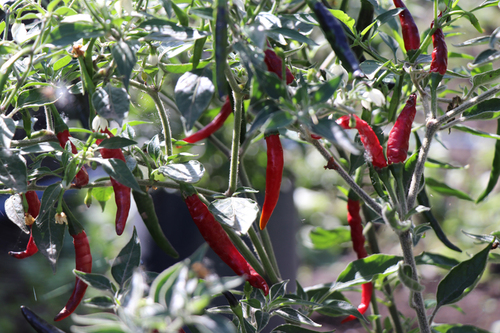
(344, 18)
(495, 169)
(63, 62)
(444, 189)
(125, 59)
(295, 316)
(213, 323)
(117, 169)
(182, 68)
(49, 235)
(331, 131)
(476, 132)
(486, 77)
(325, 91)
(238, 213)
(100, 302)
(111, 103)
(404, 275)
(335, 308)
(270, 83)
(458, 328)
(189, 172)
(127, 260)
(97, 281)
(116, 142)
(153, 148)
(474, 21)
(486, 56)
(163, 283)
(324, 239)
(291, 34)
(261, 319)
(181, 15)
(67, 33)
(438, 260)
(486, 110)
(289, 328)
(462, 279)
(474, 41)
(278, 290)
(13, 172)
(7, 131)
(35, 98)
(480, 238)
(193, 93)
(15, 211)
(364, 270)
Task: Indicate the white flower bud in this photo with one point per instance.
(99, 123)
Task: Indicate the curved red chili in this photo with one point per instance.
(218, 240)
(122, 192)
(33, 211)
(397, 145)
(214, 125)
(411, 37)
(275, 63)
(83, 262)
(374, 151)
(439, 61)
(358, 244)
(274, 173)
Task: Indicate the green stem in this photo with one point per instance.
(235, 148)
(263, 256)
(165, 122)
(257, 11)
(268, 246)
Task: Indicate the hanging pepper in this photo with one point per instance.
(374, 151)
(274, 173)
(29, 219)
(439, 61)
(122, 192)
(335, 35)
(274, 64)
(218, 240)
(62, 133)
(358, 244)
(411, 37)
(214, 125)
(397, 145)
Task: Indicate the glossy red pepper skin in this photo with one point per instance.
(439, 62)
(374, 151)
(33, 211)
(411, 37)
(275, 63)
(83, 262)
(122, 192)
(214, 125)
(397, 145)
(82, 177)
(219, 241)
(274, 174)
(358, 244)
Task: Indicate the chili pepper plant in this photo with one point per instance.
(352, 99)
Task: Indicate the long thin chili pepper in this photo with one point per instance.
(38, 323)
(335, 35)
(358, 244)
(218, 240)
(439, 61)
(214, 125)
(274, 173)
(33, 211)
(274, 64)
(122, 192)
(397, 146)
(62, 133)
(374, 151)
(411, 37)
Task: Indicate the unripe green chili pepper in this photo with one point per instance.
(122, 192)
(397, 145)
(411, 36)
(38, 323)
(335, 35)
(214, 125)
(274, 64)
(220, 48)
(439, 61)
(274, 174)
(374, 151)
(218, 240)
(146, 209)
(30, 216)
(358, 244)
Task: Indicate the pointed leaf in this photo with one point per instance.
(495, 169)
(238, 213)
(127, 260)
(15, 211)
(444, 189)
(289, 328)
(331, 131)
(295, 316)
(212, 323)
(364, 270)
(427, 258)
(324, 239)
(262, 319)
(100, 302)
(278, 289)
(66, 33)
(404, 275)
(125, 60)
(189, 172)
(335, 308)
(7, 131)
(111, 103)
(325, 91)
(117, 169)
(486, 110)
(116, 142)
(13, 172)
(97, 281)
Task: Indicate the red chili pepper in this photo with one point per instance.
(83, 262)
(275, 63)
(316, 137)
(358, 244)
(218, 240)
(122, 192)
(411, 37)
(439, 61)
(62, 133)
(274, 173)
(30, 216)
(214, 125)
(374, 151)
(397, 146)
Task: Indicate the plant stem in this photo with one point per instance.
(164, 122)
(235, 148)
